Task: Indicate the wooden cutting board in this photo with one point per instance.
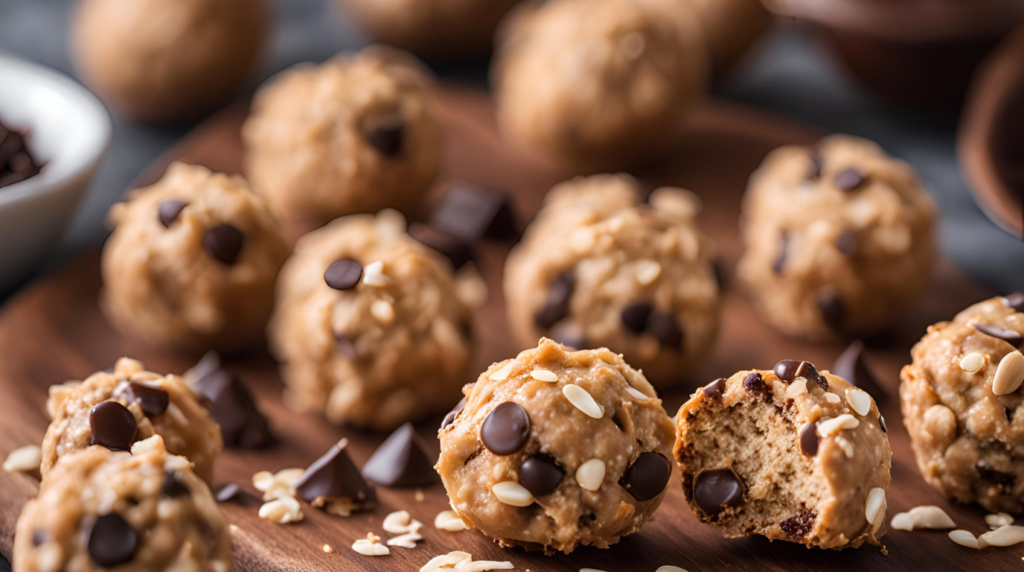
(53, 331)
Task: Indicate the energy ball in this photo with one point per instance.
(790, 454)
(556, 449)
(167, 60)
(598, 268)
(192, 262)
(143, 511)
(445, 30)
(963, 408)
(116, 409)
(355, 134)
(599, 84)
(839, 239)
(368, 326)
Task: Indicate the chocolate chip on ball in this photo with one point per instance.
(540, 474)
(224, 243)
(113, 426)
(715, 489)
(506, 429)
(647, 477)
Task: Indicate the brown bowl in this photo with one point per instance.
(991, 136)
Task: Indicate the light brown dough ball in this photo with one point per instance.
(167, 60)
(355, 134)
(790, 454)
(557, 449)
(368, 327)
(597, 268)
(192, 262)
(963, 408)
(598, 83)
(160, 405)
(446, 30)
(839, 239)
(144, 511)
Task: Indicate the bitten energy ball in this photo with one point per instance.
(192, 262)
(963, 408)
(144, 511)
(597, 268)
(116, 409)
(448, 30)
(353, 135)
(791, 454)
(839, 239)
(599, 83)
(368, 326)
(167, 60)
(557, 449)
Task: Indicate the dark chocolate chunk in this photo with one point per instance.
(666, 330)
(569, 335)
(226, 493)
(816, 163)
(400, 461)
(17, 162)
(450, 418)
(800, 524)
(1007, 335)
(473, 213)
(232, 405)
(715, 389)
(634, 316)
(807, 371)
(881, 423)
(540, 474)
(335, 476)
(224, 242)
(717, 488)
(809, 439)
(849, 179)
(754, 383)
(345, 346)
(152, 400)
(172, 486)
(852, 366)
(343, 274)
(647, 477)
(1015, 301)
(40, 537)
(779, 264)
(168, 211)
(112, 541)
(832, 311)
(387, 136)
(452, 247)
(846, 242)
(113, 426)
(556, 306)
(786, 369)
(721, 270)
(506, 429)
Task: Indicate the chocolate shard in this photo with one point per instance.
(1009, 336)
(450, 417)
(852, 366)
(474, 213)
(227, 493)
(454, 248)
(400, 461)
(232, 405)
(1015, 301)
(334, 484)
(715, 389)
(152, 400)
(557, 305)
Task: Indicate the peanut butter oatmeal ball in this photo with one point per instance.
(192, 262)
(556, 449)
(599, 83)
(840, 239)
(128, 404)
(963, 408)
(368, 326)
(143, 511)
(167, 60)
(790, 454)
(598, 268)
(355, 134)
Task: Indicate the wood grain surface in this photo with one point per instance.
(53, 331)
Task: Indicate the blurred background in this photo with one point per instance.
(794, 69)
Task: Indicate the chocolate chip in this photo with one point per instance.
(455, 249)
(807, 371)
(815, 164)
(798, 525)
(40, 537)
(232, 405)
(849, 179)
(881, 423)
(16, 160)
(634, 316)
(832, 311)
(387, 137)
(227, 493)
(754, 383)
(666, 330)
(540, 474)
(852, 366)
(647, 477)
(716, 389)
(506, 429)
(113, 426)
(786, 369)
(152, 400)
(450, 418)
(556, 307)
(569, 335)
(224, 242)
(473, 213)
(846, 241)
(343, 274)
(112, 541)
(717, 488)
(1015, 301)
(168, 211)
(809, 439)
(779, 264)
(400, 461)
(172, 486)
(335, 476)
(1009, 336)
(345, 346)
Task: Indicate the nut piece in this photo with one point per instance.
(397, 522)
(590, 474)
(972, 362)
(277, 485)
(965, 538)
(1009, 374)
(859, 401)
(503, 373)
(282, 510)
(370, 546)
(874, 504)
(373, 274)
(930, 517)
(637, 394)
(448, 520)
(836, 424)
(998, 520)
(1003, 536)
(24, 460)
(669, 569)
(582, 400)
(512, 493)
(544, 375)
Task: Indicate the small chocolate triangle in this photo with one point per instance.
(334, 478)
(474, 213)
(852, 366)
(232, 405)
(400, 461)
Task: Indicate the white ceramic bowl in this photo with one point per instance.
(69, 130)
